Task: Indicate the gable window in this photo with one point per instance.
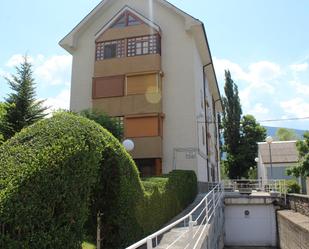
(126, 19)
(110, 49)
(144, 45)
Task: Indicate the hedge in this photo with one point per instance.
(46, 175)
(166, 197)
(60, 172)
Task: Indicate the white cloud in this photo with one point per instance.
(55, 70)
(300, 87)
(297, 107)
(61, 101)
(265, 70)
(260, 74)
(259, 109)
(299, 67)
(223, 64)
(4, 74)
(17, 59)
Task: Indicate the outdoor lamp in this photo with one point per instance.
(256, 159)
(128, 144)
(269, 140)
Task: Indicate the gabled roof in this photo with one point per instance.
(120, 13)
(281, 152)
(69, 42)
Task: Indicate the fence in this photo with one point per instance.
(189, 231)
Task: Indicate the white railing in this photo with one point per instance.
(268, 186)
(190, 228)
(257, 187)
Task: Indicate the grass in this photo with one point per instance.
(87, 245)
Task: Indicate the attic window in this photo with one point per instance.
(132, 20)
(126, 19)
(121, 22)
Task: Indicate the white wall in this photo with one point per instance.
(181, 83)
(257, 229)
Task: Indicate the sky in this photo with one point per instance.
(264, 43)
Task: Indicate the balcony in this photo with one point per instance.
(127, 65)
(129, 105)
(147, 147)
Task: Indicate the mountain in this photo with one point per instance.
(271, 131)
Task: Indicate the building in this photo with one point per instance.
(148, 64)
(284, 155)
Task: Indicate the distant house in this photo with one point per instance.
(284, 155)
(148, 64)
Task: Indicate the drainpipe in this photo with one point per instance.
(206, 124)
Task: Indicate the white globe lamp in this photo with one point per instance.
(128, 144)
(269, 140)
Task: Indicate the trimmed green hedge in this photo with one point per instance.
(166, 197)
(46, 174)
(62, 171)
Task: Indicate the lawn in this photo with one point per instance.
(87, 245)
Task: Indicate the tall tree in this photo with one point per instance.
(22, 108)
(303, 150)
(284, 134)
(251, 132)
(2, 123)
(231, 123)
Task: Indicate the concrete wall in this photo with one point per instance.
(293, 230)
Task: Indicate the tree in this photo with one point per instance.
(303, 150)
(251, 132)
(113, 125)
(284, 134)
(22, 108)
(231, 123)
(2, 123)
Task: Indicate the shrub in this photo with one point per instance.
(113, 125)
(47, 171)
(166, 197)
(293, 187)
(63, 171)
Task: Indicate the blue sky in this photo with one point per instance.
(264, 43)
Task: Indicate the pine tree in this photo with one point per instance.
(22, 107)
(231, 122)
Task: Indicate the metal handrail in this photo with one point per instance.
(215, 196)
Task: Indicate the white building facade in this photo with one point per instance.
(174, 126)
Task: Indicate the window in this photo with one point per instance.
(144, 126)
(132, 20)
(126, 19)
(144, 45)
(121, 22)
(142, 84)
(110, 49)
(112, 86)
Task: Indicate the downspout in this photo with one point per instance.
(206, 124)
